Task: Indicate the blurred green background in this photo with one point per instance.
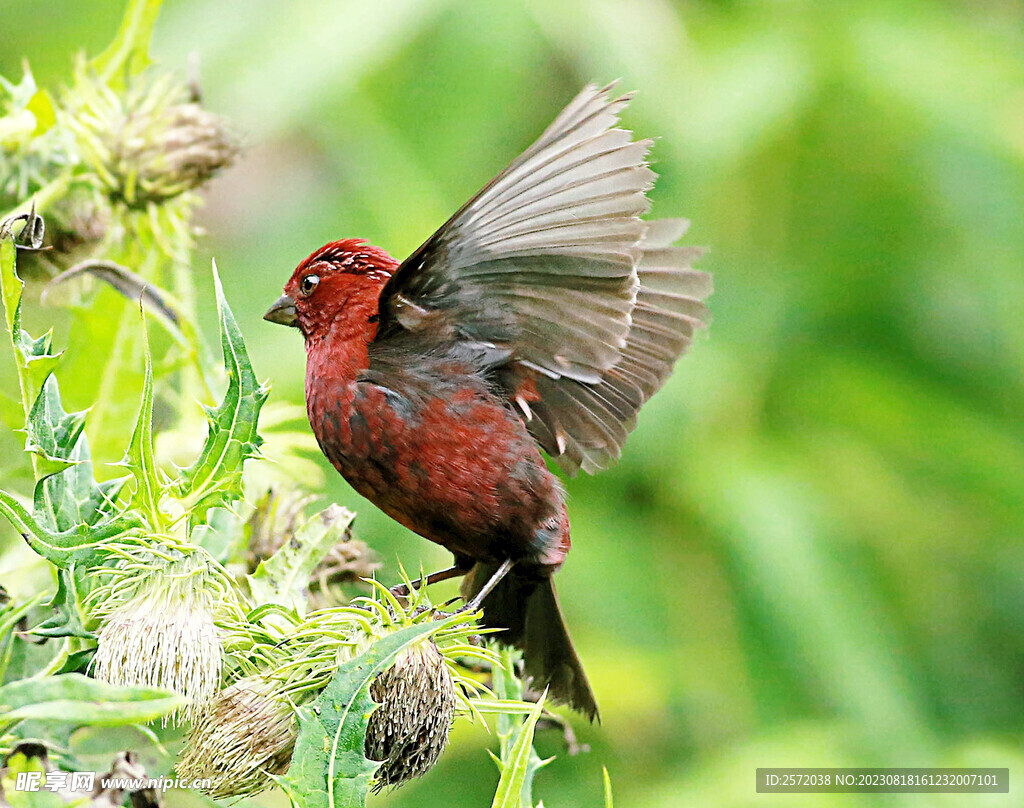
(812, 552)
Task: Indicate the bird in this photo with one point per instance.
(538, 319)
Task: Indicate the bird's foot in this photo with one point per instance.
(404, 590)
(474, 604)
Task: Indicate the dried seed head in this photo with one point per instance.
(246, 735)
(277, 516)
(409, 730)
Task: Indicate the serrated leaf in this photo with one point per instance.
(284, 577)
(329, 768)
(515, 767)
(38, 357)
(67, 618)
(72, 698)
(79, 545)
(67, 495)
(139, 459)
(72, 497)
(34, 357)
(215, 479)
(50, 432)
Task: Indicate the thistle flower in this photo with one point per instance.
(246, 734)
(157, 625)
(409, 730)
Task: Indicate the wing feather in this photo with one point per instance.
(669, 309)
(578, 306)
(564, 218)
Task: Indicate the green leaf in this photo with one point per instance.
(68, 495)
(140, 459)
(129, 52)
(11, 285)
(72, 698)
(515, 767)
(79, 545)
(607, 789)
(329, 768)
(283, 578)
(215, 479)
(34, 357)
(67, 619)
(51, 433)
(38, 358)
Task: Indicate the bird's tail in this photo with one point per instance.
(525, 605)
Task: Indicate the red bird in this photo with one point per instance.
(542, 315)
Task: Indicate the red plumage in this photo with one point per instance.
(541, 316)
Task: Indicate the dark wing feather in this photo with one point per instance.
(583, 426)
(542, 260)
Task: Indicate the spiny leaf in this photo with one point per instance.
(139, 459)
(72, 497)
(329, 768)
(515, 767)
(216, 476)
(283, 578)
(38, 357)
(10, 284)
(128, 54)
(81, 545)
(35, 357)
(51, 433)
(67, 618)
(76, 699)
(68, 495)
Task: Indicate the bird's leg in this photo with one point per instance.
(486, 589)
(401, 590)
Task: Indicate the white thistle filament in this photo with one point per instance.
(164, 635)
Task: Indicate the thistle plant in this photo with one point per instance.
(191, 593)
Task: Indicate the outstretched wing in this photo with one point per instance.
(583, 426)
(543, 273)
(542, 260)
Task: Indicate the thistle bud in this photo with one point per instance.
(409, 730)
(247, 734)
(175, 150)
(157, 629)
(150, 143)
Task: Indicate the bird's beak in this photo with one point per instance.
(283, 312)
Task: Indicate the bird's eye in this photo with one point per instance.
(308, 284)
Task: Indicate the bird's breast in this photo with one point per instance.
(455, 466)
